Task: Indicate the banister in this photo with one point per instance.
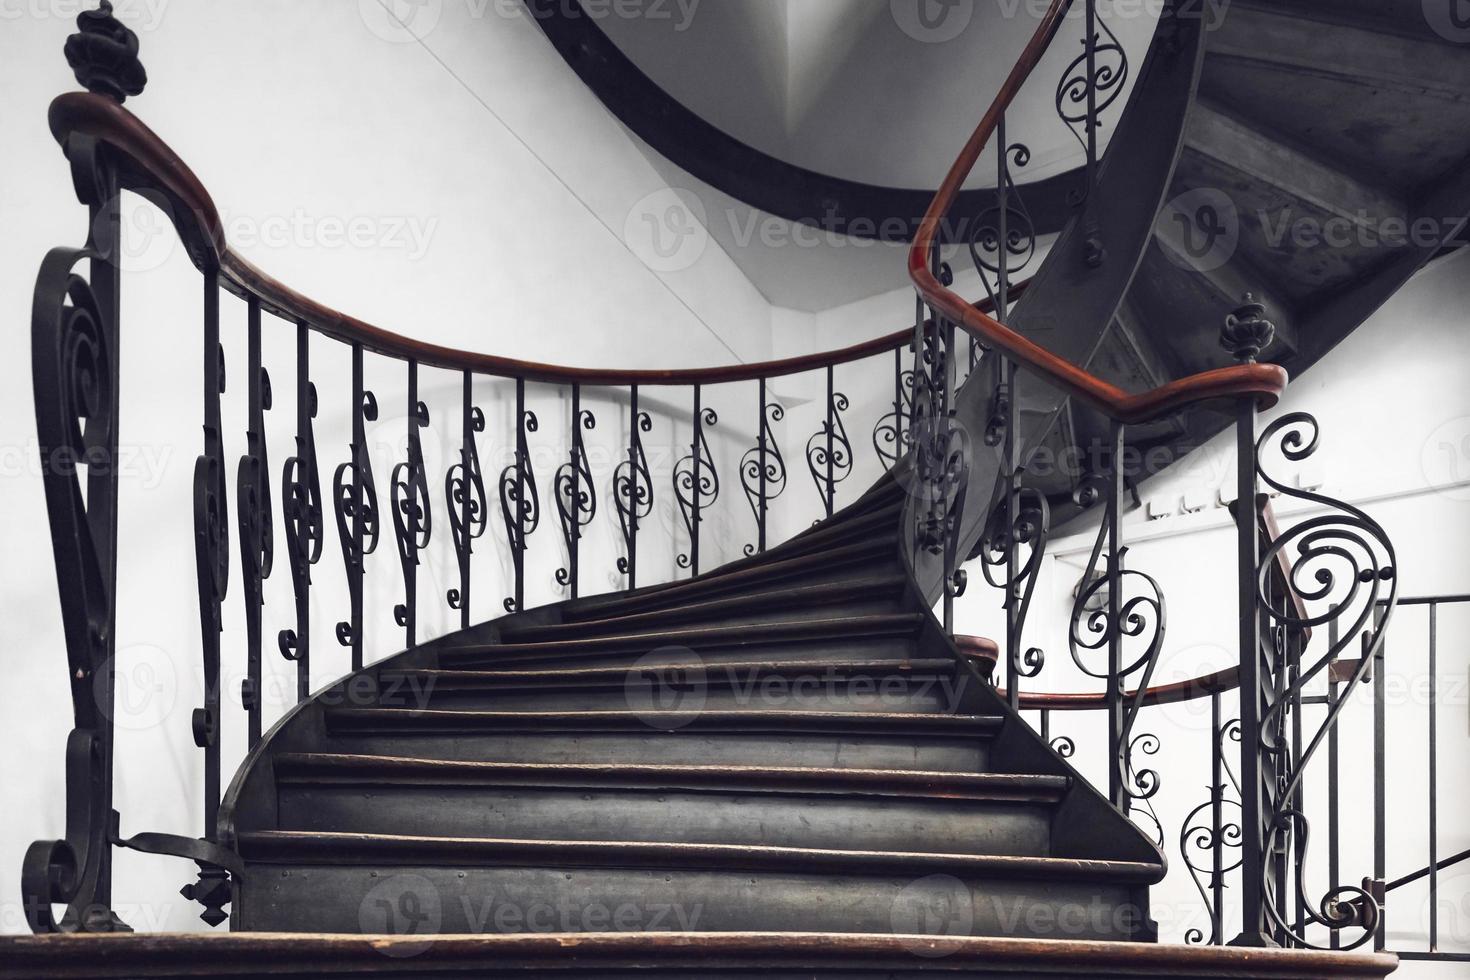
(1264, 382)
(156, 167)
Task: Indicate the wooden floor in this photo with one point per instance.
(765, 955)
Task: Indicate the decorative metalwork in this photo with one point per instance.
(1344, 564)
(1092, 82)
(576, 504)
(763, 469)
(999, 550)
(412, 519)
(464, 493)
(1207, 831)
(104, 55)
(1002, 241)
(828, 451)
(520, 505)
(890, 435)
(301, 505)
(633, 488)
(1247, 332)
(1116, 607)
(696, 483)
(253, 511)
(355, 502)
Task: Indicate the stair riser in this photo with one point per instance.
(678, 816)
(932, 753)
(768, 612)
(430, 900)
(814, 692)
(713, 651)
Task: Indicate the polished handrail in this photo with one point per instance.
(154, 166)
(1264, 382)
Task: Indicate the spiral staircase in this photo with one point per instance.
(785, 766)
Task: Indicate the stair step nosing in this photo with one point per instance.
(317, 849)
(702, 721)
(317, 769)
(714, 673)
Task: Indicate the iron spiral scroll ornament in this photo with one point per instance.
(1344, 563)
(358, 523)
(1199, 837)
(696, 484)
(891, 438)
(301, 510)
(1003, 239)
(412, 515)
(1091, 83)
(1028, 529)
(464, 492)
(1141, 622)
(829, 451)
(763, 472)
(520, 503)
(633, 491)
(576, 503)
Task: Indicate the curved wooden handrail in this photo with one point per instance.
(153, 167)
(1264, 382)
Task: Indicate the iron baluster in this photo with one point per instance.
(412, 520)
(633, 488)
(464, 494)
(212, 561)
(301, 505)
(696, 483)
(253, 511)
(576, 503)
(828, 451)
(762, 469)
(355, 502)
(520, 505)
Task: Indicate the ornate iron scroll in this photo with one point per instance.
(464, 493)
(301, 505)
(520, 505)
(576, 503)
(763, 470)
(633, 488)
(696, 483)
(355, 502)
(412, 518)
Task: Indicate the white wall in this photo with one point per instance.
(1395, 417)
(459, 186)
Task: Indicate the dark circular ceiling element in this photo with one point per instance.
(837, 206)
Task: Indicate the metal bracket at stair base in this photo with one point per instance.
(218, 865)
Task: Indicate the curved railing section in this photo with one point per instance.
(1117, 631)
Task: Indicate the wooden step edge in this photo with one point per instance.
(316, 849)
(859, 589)
(735, 575)
(231, 955)
(662, 723)
(850, 627)
(709, 673)
(318, 769)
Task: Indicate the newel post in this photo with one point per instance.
(1245, 334)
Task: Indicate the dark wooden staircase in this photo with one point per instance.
(786, 744)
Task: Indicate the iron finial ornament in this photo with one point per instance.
(1247, 332)
(104, 54)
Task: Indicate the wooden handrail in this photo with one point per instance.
(153, 167)
(1264, 382)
